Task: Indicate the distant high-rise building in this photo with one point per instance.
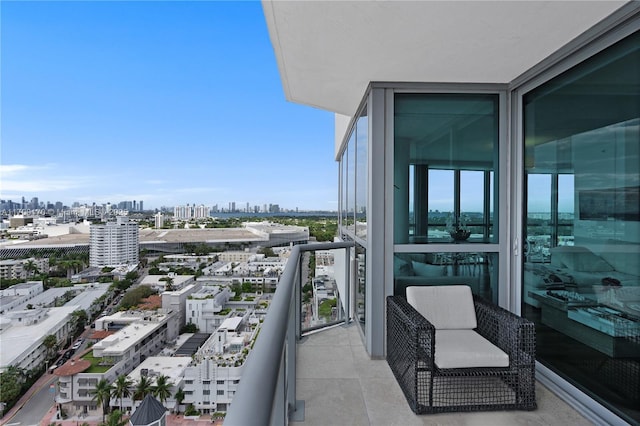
(200, 211)
(159, 217)
(183, 212)
(114, 243)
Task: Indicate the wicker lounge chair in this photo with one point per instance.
(452, 351)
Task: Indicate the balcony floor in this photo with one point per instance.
(341, 385)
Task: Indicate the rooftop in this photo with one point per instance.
(17, 339)
(172, 367)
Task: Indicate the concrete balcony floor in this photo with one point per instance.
(341, 385)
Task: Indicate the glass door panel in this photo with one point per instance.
(581, 274)
(446, 155)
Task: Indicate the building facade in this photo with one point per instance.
(136, 336)
(114, 243)
(211, 381)
(494, 144)
(22, 334)
(23, 268)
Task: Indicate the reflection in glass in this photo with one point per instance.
(581, 272)
(445, 154)
(351, 183)
(361, 284)
(343, 189)
(362, 141)
(478, 270)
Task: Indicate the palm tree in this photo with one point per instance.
(144, 386)
(169, 283)
(162, 388)
(122, 388)
(179, 396)
(102, 395)
(79, 320)
(31, 268)
(68, 265)
(50, 342)
(115, 419)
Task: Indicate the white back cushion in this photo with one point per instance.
(446, 307)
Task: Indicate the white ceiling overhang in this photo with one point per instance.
(329, 51)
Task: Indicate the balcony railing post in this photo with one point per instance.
(297, 285)
(290, 353)
(347, 274)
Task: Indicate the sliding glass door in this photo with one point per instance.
(581, 263)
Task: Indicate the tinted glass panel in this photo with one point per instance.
(582, 223)
(478, 270)
(362, 141)
(445, 151)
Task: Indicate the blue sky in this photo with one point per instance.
(165, 102)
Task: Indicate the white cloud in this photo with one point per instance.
(38, 179)
(39, 185)
(16, 169)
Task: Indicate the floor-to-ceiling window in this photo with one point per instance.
(446, 155)
(354, 170)
(581, 271)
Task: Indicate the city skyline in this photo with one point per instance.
(36, 204)
(166, 102)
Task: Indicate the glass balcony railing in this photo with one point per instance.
(302, 302)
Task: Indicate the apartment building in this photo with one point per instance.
(206, 307)
(191, 212)
(23, 268)
(495, 114)
(212, 379)
(238, 256)
(114, 243)
(22, 333)
(173, 368)
(174, 301)
(136, 336)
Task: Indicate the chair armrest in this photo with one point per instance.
(409, 334)
(515, 335)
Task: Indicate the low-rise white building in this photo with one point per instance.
(137, 336)
(211, 381)
(173, 368)
(19, 269)
(18, 294)
(174, 301)
(159, 283)
(22, 334)
(239, 256)
(206, 308)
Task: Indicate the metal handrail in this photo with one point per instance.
(267, 386)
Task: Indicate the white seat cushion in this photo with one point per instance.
(467, 349)
(446, 307)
